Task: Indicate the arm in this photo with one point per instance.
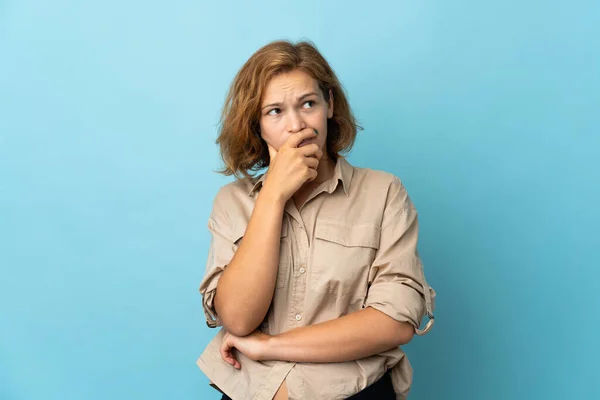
(347, 338)
(350, 337)
(246, 287)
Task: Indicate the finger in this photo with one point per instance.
(312, 174)
(226, 351)
(297, 138)
(236, 364)
(312, 162)
(317, 155)
(311, 150)
(272, 151)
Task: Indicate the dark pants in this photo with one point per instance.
(380, 390)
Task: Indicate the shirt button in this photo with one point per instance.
(298, 317)
(302, 270)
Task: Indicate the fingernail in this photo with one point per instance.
(316, 131)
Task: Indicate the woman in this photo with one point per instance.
(313, 270)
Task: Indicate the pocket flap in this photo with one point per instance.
(350, 236)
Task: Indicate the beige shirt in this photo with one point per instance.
(352, 245)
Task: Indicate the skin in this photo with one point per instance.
(293, 103)
(293, 107)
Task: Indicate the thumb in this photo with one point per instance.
(272, 152)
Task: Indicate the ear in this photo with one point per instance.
(330, 105)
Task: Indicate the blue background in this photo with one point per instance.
(488, 111)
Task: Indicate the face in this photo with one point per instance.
(293, 101)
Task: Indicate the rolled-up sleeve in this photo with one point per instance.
(397, 285)
(222, 248)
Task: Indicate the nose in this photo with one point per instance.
(295, 122)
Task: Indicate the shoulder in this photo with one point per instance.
(381, 185)
(234, 196)
(374, 179)
(234, 188)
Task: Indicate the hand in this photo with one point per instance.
(253, 346)
(292, 166)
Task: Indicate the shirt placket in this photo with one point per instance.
(299, 267)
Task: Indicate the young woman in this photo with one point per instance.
(313, 270)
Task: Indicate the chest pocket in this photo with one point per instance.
(342, 256)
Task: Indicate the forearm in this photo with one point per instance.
(245, 289)
(351, 337)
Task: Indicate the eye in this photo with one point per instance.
(311, 104)
(274, 111)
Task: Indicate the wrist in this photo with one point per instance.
(271, 349)
(272, 197)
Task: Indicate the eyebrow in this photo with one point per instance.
(298, 99)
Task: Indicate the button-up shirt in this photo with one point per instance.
(353, 244)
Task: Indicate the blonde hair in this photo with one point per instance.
(241, 146)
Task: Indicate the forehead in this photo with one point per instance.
(295, 82)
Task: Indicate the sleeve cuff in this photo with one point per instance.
(398, 300)
(208, 289)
